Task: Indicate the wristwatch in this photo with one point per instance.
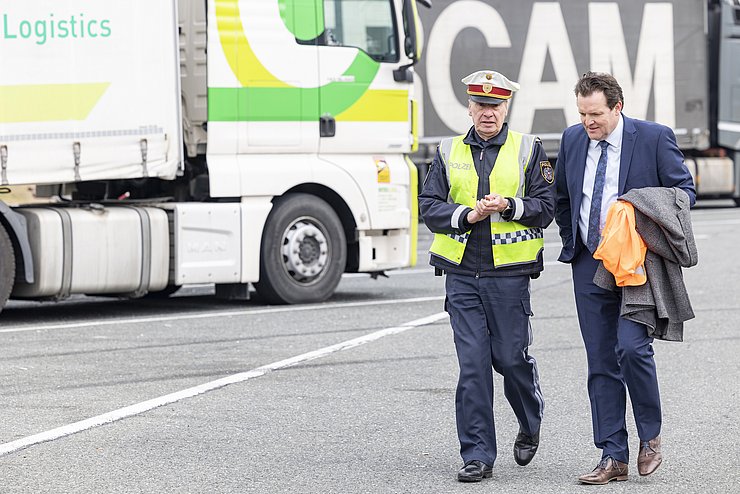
(507, 212)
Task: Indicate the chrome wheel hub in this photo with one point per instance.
(305, 250)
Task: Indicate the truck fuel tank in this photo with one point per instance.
(96, 250)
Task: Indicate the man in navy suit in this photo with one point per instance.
(599, 160)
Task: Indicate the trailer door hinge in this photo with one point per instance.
(144, 154)
(4, 161)
(77, 150)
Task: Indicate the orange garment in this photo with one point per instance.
(621, 248)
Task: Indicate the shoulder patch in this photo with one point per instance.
(548, 173)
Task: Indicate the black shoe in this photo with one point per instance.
(525, 447)
(474, 471)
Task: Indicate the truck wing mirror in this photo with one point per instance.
(412, 43)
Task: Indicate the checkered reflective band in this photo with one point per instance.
(518, 236)
(460, 238)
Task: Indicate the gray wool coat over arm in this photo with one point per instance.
(663, 220)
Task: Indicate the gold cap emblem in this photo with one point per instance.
(487, 88)
(489, 76)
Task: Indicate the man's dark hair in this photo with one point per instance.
(591, 82)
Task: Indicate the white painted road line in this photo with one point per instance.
(204, 315)
(394, 272)
(428, 270)
(145, 406)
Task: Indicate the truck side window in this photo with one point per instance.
(365, 24)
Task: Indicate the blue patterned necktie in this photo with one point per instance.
(594, 217)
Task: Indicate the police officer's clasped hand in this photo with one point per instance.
(491, 203)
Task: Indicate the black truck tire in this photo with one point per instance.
(304, 251)
(7, 266)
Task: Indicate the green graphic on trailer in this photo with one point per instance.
(49, 102)
(264, 97)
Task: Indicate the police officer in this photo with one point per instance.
(488, 196)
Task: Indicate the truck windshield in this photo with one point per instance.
(366, 24)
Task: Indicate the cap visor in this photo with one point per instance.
(486, 100)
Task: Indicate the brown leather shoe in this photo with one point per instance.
(607, 470)
(650, 456)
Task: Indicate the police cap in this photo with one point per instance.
(489, 87)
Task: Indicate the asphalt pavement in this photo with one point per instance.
(199, 395)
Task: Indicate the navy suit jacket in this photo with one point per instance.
(650, 158)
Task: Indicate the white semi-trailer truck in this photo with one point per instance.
(231, 142)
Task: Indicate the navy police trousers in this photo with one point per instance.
(490, 323)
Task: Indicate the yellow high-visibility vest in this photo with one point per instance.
(512, 242)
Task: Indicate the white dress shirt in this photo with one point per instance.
(611, 185)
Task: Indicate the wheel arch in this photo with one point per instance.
(15, 226)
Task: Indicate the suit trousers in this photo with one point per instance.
(619, 353)
(490, 324)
